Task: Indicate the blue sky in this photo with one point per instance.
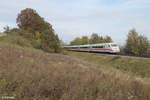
(72, 18)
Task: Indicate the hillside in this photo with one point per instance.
(131, 65)
(29, 74)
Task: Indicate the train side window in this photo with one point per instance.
(74, 47)
(101, 46)
(113, 45)
(84, 47)
(108, 45)
(98, 46)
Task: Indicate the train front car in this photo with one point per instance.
(114, 48)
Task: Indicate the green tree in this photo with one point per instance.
(143, 45)
(101, 39)
(6, 29)
(132, 42)
(108, 39)
(94, 38)
(137, 44)
(30, 20)
(76, 41)
(84, 40)
(50, 42)
(41, 32)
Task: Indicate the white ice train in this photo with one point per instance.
(101, 47)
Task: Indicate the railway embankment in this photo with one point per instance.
(137, 66)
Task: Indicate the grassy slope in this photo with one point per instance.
(15, 39)
(31, 74)
(137, 67)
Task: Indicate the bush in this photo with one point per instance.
(50, 42)
(36, 44)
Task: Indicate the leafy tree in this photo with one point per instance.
(84, 40)
(50, 42)
(108, 39)
(143, 45)
(101, 39)
(62, 43)
(40, 32)
(76, 41)
(80, 41)
(57, 44)
(94, 38)
(136, 44)
(30, 20)
(132, 42)
(6, 29)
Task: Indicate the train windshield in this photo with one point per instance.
(114, 45)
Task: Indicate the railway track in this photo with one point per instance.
(123, 56)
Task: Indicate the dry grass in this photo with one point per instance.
(137, 67)
(35, 75)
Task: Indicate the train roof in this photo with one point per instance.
(87, 45)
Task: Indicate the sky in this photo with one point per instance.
(74, 18)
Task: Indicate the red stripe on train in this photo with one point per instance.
(102, 49)
(94, 49)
